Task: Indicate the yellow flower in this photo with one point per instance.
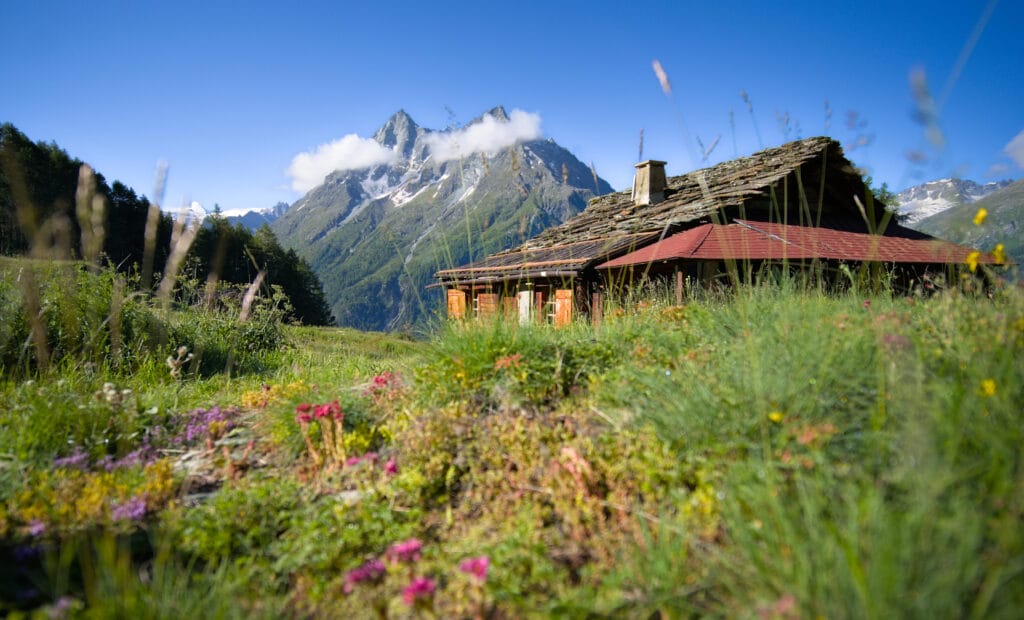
(980, 216)
(988, 387)
(775, 416)
(998, 255)
(972, 260)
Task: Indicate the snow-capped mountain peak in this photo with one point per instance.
(927, 199)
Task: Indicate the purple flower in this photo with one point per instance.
(36, 527)
(419, 589)
(198, 421)
(132, 510)
(76, 460)
(371, 571)
(476, 567)
(405, 551)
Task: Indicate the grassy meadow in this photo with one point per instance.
(773, 453)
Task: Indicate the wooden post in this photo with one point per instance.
(597, 308)
(679, 287)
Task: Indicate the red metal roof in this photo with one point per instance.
(746, 240)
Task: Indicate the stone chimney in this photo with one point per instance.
(649, 183)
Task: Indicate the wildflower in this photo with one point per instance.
(999, 255)
(420, 589)
(36, 528)
(391, 467)
(132, 510)
(329, 410)
(302, 415)
(866, 304)
(980, 216)
(775, 416)
(988, 387)
(352, 461)
(972, 260)
(476, 567)
(405, 551)
(76, 460)
(371, 571)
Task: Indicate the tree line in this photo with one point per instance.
(38, 184)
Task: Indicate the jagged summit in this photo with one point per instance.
(497, 112)
(400, 132)
(375, 236)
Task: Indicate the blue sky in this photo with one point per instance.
(227, 94)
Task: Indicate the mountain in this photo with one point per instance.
(921, 201)
(1004, 224)
(254, 218)
(376, 235)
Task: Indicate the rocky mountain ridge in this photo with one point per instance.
(376, 235)
(921, 201)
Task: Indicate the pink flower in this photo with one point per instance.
(867, 303)
(391, 467)
(476, 567)
(303, 407)
(303, 417)
(352, 460)
(372, 571)
(419, 589)
(322, 411)
(406, 551)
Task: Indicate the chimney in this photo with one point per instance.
(649, 183)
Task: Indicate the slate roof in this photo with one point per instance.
(611, 225)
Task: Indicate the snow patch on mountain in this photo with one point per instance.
(924, 200)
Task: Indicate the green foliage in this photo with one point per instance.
(501, 365)
(100, 319)
(235, 254)
(777, 453)
(38, 183)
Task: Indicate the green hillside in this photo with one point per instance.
(1004, 223)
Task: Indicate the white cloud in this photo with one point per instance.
(490, 135)
(1015, 149)
(997, 169)
(309, 169)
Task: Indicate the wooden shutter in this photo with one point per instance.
(456, 304)
(486, 305)
(563, 307)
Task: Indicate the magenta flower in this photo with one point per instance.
(419, 589)
(391, 467)
(302, 415)
(476, 567)
(371, 571)
(405, 551)
(352, 460)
